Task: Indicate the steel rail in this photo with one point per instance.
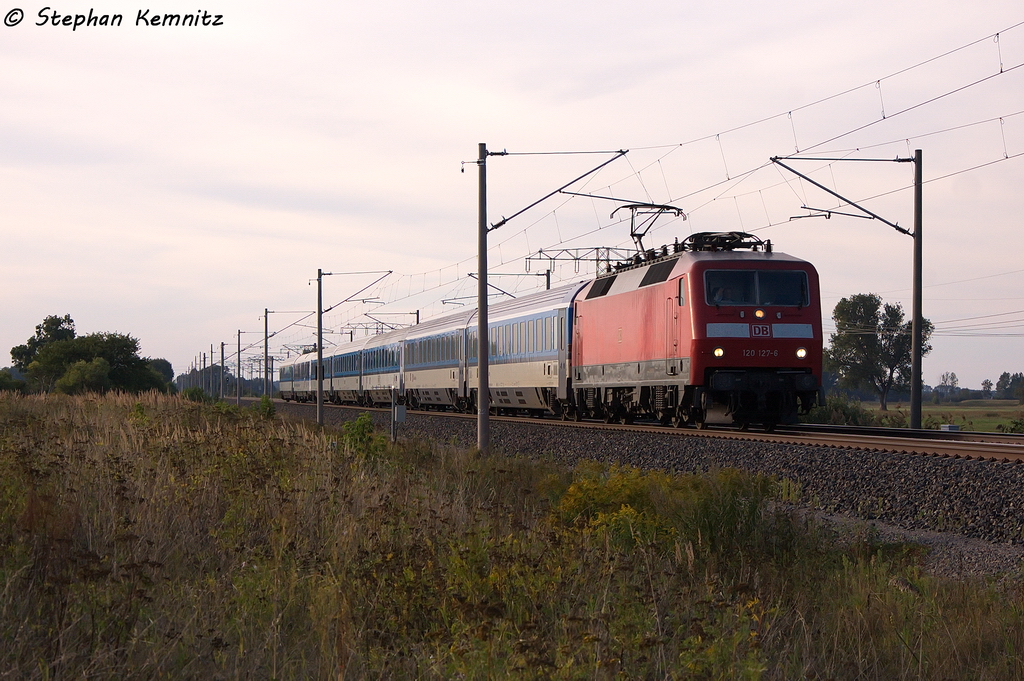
(991, 451)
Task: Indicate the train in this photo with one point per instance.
(716, 329)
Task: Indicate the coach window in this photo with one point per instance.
(682, 291)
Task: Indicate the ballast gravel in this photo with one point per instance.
(971, 513)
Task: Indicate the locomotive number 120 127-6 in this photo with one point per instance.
(760, 353)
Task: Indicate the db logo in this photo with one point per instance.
(760, 331)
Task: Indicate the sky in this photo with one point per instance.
(173, 182)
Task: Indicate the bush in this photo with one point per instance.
(839, 410)
(196, 394)
(265, 407)
(361, 438)
(933, 422)
(720, 511)
(895, 419)
(1014, 426)
(82, 377)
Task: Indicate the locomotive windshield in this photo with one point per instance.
(756, 287)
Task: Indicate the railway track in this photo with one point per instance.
(992, 447)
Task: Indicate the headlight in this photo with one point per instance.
(759, 314)
(801, 352)
(719, 352)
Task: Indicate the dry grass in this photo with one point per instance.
(153, 537)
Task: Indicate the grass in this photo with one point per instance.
(156, 537)
(985, 416)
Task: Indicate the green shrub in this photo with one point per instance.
(360, 437)
(718, 510)
(895, 419)
(196, 394)
(839, 410)
(82, 377)
(265, 407)
(1014, 426)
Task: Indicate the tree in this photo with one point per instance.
(162, 367)
(986, 388)
(1010, 385)
(125, 369)
(9, 382)
(872, 345)
(52, 329)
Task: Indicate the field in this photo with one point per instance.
(977, 415)
(157, 538)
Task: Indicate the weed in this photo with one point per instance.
(196, 394)
(839, 410)
(153, 536)
(1014, 426)
(265, 407)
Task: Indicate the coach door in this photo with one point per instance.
(673, 305)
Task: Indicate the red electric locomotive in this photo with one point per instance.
(718, 329)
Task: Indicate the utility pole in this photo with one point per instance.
(483, 393)
(917, 325)
(319, 346)
(266, 342)
(483, 386)
(221, 396)
(320, 274)
(238, 372)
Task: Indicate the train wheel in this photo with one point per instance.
(769, 426)
(702, 425)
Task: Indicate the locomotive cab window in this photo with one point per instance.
(756, 287)
(730, 287)
(782, 288)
